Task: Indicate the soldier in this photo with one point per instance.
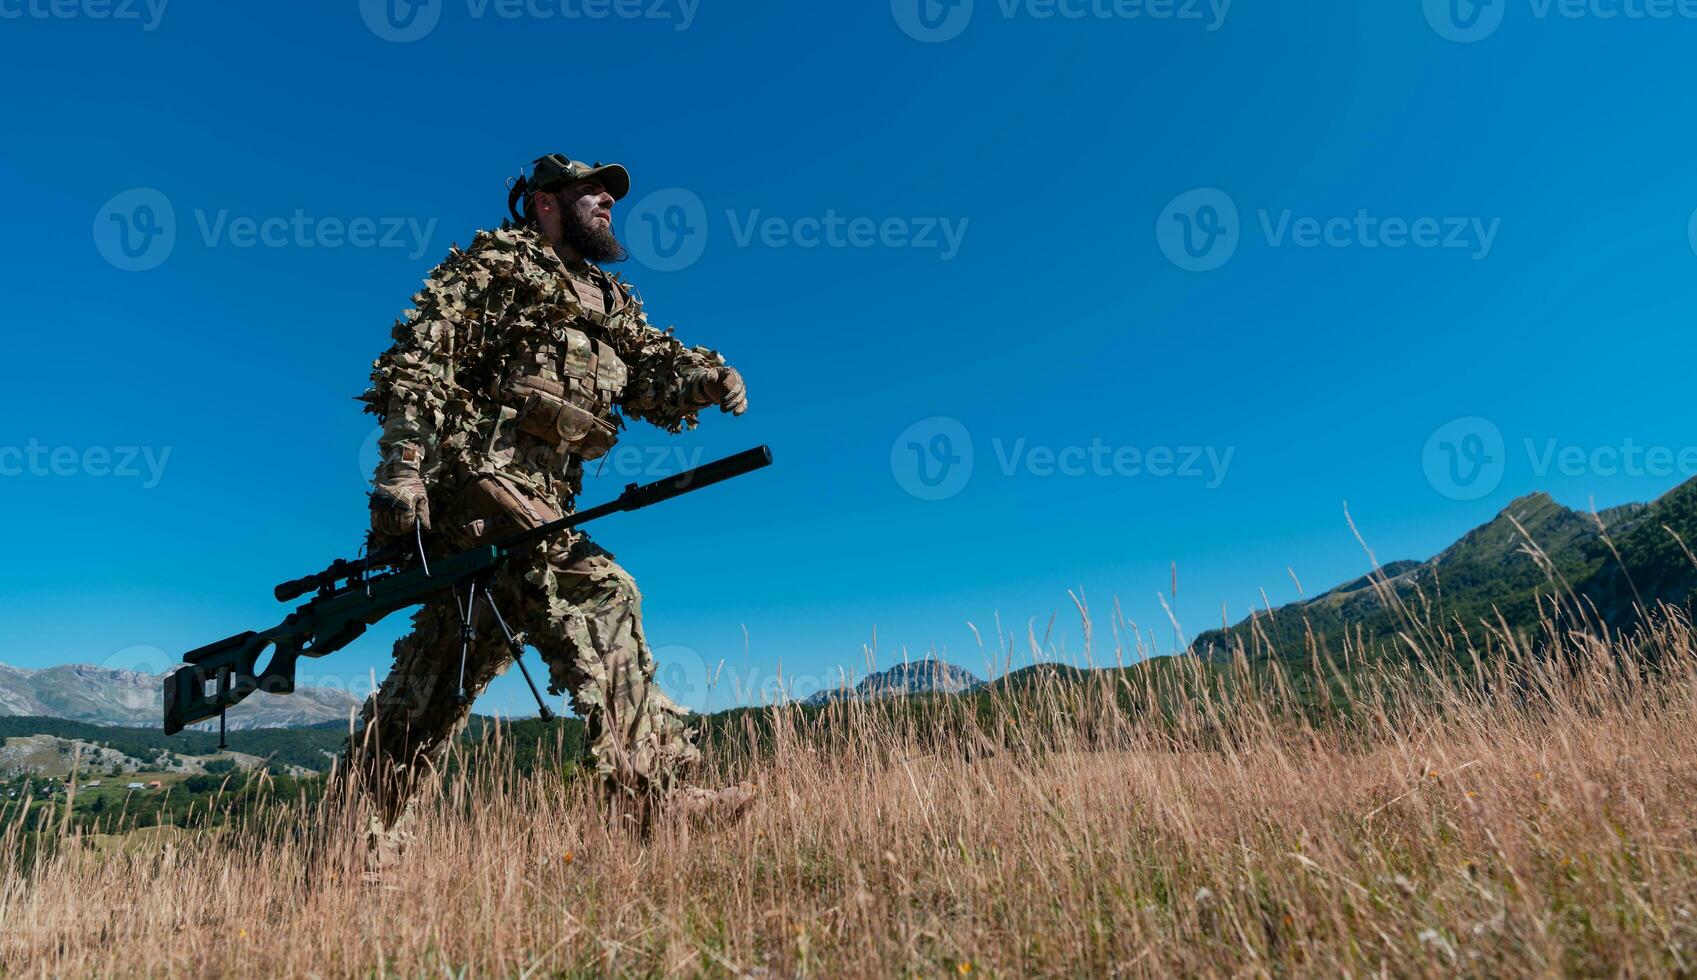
(519, 363)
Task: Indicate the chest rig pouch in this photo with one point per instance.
(565, 391)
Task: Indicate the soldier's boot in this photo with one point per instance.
(385, 846)
(713, 807)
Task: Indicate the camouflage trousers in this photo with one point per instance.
(583, 613)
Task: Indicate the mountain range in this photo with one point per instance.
(1612, 564)
(80, 692)
(929, 676)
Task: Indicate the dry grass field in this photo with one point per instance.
(1522, 815)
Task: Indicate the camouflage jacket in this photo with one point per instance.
(500, 369)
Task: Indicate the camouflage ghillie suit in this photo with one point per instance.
(509, 374)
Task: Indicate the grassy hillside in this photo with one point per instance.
(1535, 560)
(1535, 821)
(1539, 567)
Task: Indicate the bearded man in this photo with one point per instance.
(520, 362)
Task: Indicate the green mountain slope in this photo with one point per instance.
(1512, 567)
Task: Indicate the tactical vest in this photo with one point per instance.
(558, 395)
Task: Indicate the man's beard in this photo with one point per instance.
(597, 244)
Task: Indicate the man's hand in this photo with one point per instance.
(724, 387)
(396, 505)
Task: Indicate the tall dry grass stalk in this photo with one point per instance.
(1528, 810)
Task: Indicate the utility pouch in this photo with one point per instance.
(499, 509)
(546, 413)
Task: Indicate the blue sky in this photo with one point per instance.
(1031, 297)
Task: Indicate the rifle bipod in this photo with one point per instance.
(468, 633)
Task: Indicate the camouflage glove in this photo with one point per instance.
(398, 504)
(722, 386)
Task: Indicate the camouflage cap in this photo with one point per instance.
(557, 170)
